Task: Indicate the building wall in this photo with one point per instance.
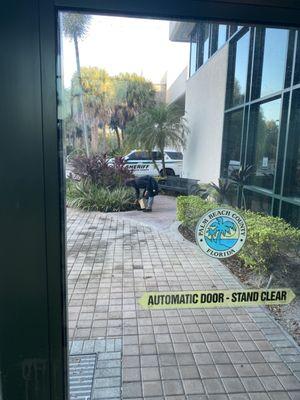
(204, 106)
(176, 91)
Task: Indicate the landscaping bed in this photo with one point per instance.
(94, 185)
(272, 247)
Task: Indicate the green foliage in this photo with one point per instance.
(190, 209)
(221, 189)
(76, 24)
(133, 94)
(75, 27)
(270, 240)
(158, 127)
(240, 178)
(90, 197)
(202, 190)
(109, 102)
(98, 90)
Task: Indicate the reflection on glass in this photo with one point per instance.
(297, 63)
(232, 195)
(293, 174)
(274, 60)
(232, 29)
(265, 139)
(205, 43)
(232, 142)
(193, 54)
(257, 202)
(222, 35)
(291, 213)
(240, 70)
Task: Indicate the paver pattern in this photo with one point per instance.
(186, 354)
(95, 369)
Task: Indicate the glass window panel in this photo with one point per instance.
(265, 138)
(222, 35)
(292, 184)
(232, 142)
(175, 155)
(258, 202)
(297, 65)
(274, 60)
(291, 213)
(232, 29)
(240, 70)
(205, 43)
(232, 196)
(193, 54)
(156, 155)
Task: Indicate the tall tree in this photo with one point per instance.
(98, 97)
(75, 27)
(158, 127)
(133, 95)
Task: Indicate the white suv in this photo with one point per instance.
(140, 163)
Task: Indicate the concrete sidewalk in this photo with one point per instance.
(167, 354)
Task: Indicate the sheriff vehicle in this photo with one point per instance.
(141, 164)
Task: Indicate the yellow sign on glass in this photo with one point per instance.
(216, 298)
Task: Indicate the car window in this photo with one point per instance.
(132, 156)
(144, 155)
(175, 155)
(156, 155)
(140, 155)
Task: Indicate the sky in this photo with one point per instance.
(120, 44)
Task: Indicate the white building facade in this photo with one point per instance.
(241, 97)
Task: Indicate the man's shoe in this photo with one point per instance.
(147, 210)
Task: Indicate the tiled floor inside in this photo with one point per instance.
(212, 354)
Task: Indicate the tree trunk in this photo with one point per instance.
(154, 161)
(85, 132)
(104, 142)
(118, 137)
(163, 162)
(95, 138)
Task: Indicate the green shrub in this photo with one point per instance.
(270, 240)
(90, 197)
(190, 209)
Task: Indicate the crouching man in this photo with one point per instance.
(150, 189)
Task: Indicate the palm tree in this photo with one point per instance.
(98, 94)
(219, 228)
(75, 27)
(158, 127)
(134, 94)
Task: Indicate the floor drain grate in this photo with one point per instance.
(81, 375)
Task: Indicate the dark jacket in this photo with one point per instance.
(148, 184)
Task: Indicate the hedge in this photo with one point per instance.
(271, 241)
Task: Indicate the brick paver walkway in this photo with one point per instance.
(214, 354)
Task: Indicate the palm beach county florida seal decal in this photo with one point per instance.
(221, 233)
